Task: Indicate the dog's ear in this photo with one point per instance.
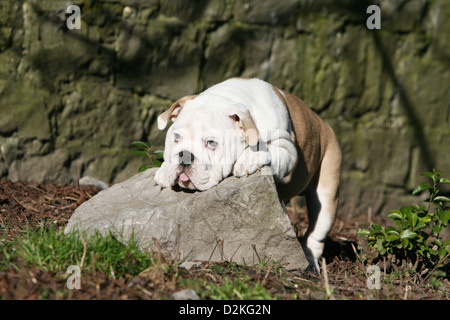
(244, 122)
(173, 111)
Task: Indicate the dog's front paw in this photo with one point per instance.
(163, 177)
(250, 161)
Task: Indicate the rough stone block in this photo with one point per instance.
(245, 214)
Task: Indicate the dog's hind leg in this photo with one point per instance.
(322, 201)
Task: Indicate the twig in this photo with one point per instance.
(369, 215)
(231, 259)
(325, 276)
(263, 283)
(254, 249)
(84, 251)
(354, 250)
(205, 261)
(437, 264)
(25, 206)
(359, 259)
(145, 291)
(160, 271)
(407, 289)
(221, 251)
(70, 198)
(158, 250)
(217, 243)
(178, 243)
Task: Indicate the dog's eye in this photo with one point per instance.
(176, 137)
(211, 144)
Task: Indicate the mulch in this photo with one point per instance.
(29, 205)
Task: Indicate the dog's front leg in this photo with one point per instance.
(250, 160)
(284, 157)
(167, 174)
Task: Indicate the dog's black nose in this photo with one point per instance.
(186, 158)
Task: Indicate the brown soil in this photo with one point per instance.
(26, 204)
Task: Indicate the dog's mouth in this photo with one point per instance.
(184, 177)
(185, 182)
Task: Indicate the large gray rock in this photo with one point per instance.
(245, 213)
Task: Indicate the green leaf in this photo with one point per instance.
(363, 232)
(144, 167)
(422, 186)
(140, 152)
(445, 217)
(420, 225)
(380, 243)
(436, 229)
(444, 180)
(376, 227)
(159, 153)
(408, 234)
(380, 246)
(393, 232)
(395, 215)
(441, 199)
(145, 145)
(430, 175)
(157, 163)
(420, 207)
(390, 229)
(412, 218)
(405, 242)
(392, 237)
(442, 252)
(405, 210)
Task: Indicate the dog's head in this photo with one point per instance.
(207, 135)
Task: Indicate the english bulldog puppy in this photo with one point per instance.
(240, 125)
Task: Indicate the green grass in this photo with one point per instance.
(7, 254)
(229, 289)
(54, 251)
(232, 282)
(236, 289)
(51, 250)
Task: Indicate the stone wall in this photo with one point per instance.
(72, 101)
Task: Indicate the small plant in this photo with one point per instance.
(416, 238)
(156, 157)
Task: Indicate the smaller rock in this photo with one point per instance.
(187, 294)
(89, 181)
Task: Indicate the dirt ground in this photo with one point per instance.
(32, 204)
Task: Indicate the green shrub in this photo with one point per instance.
(416, 237)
